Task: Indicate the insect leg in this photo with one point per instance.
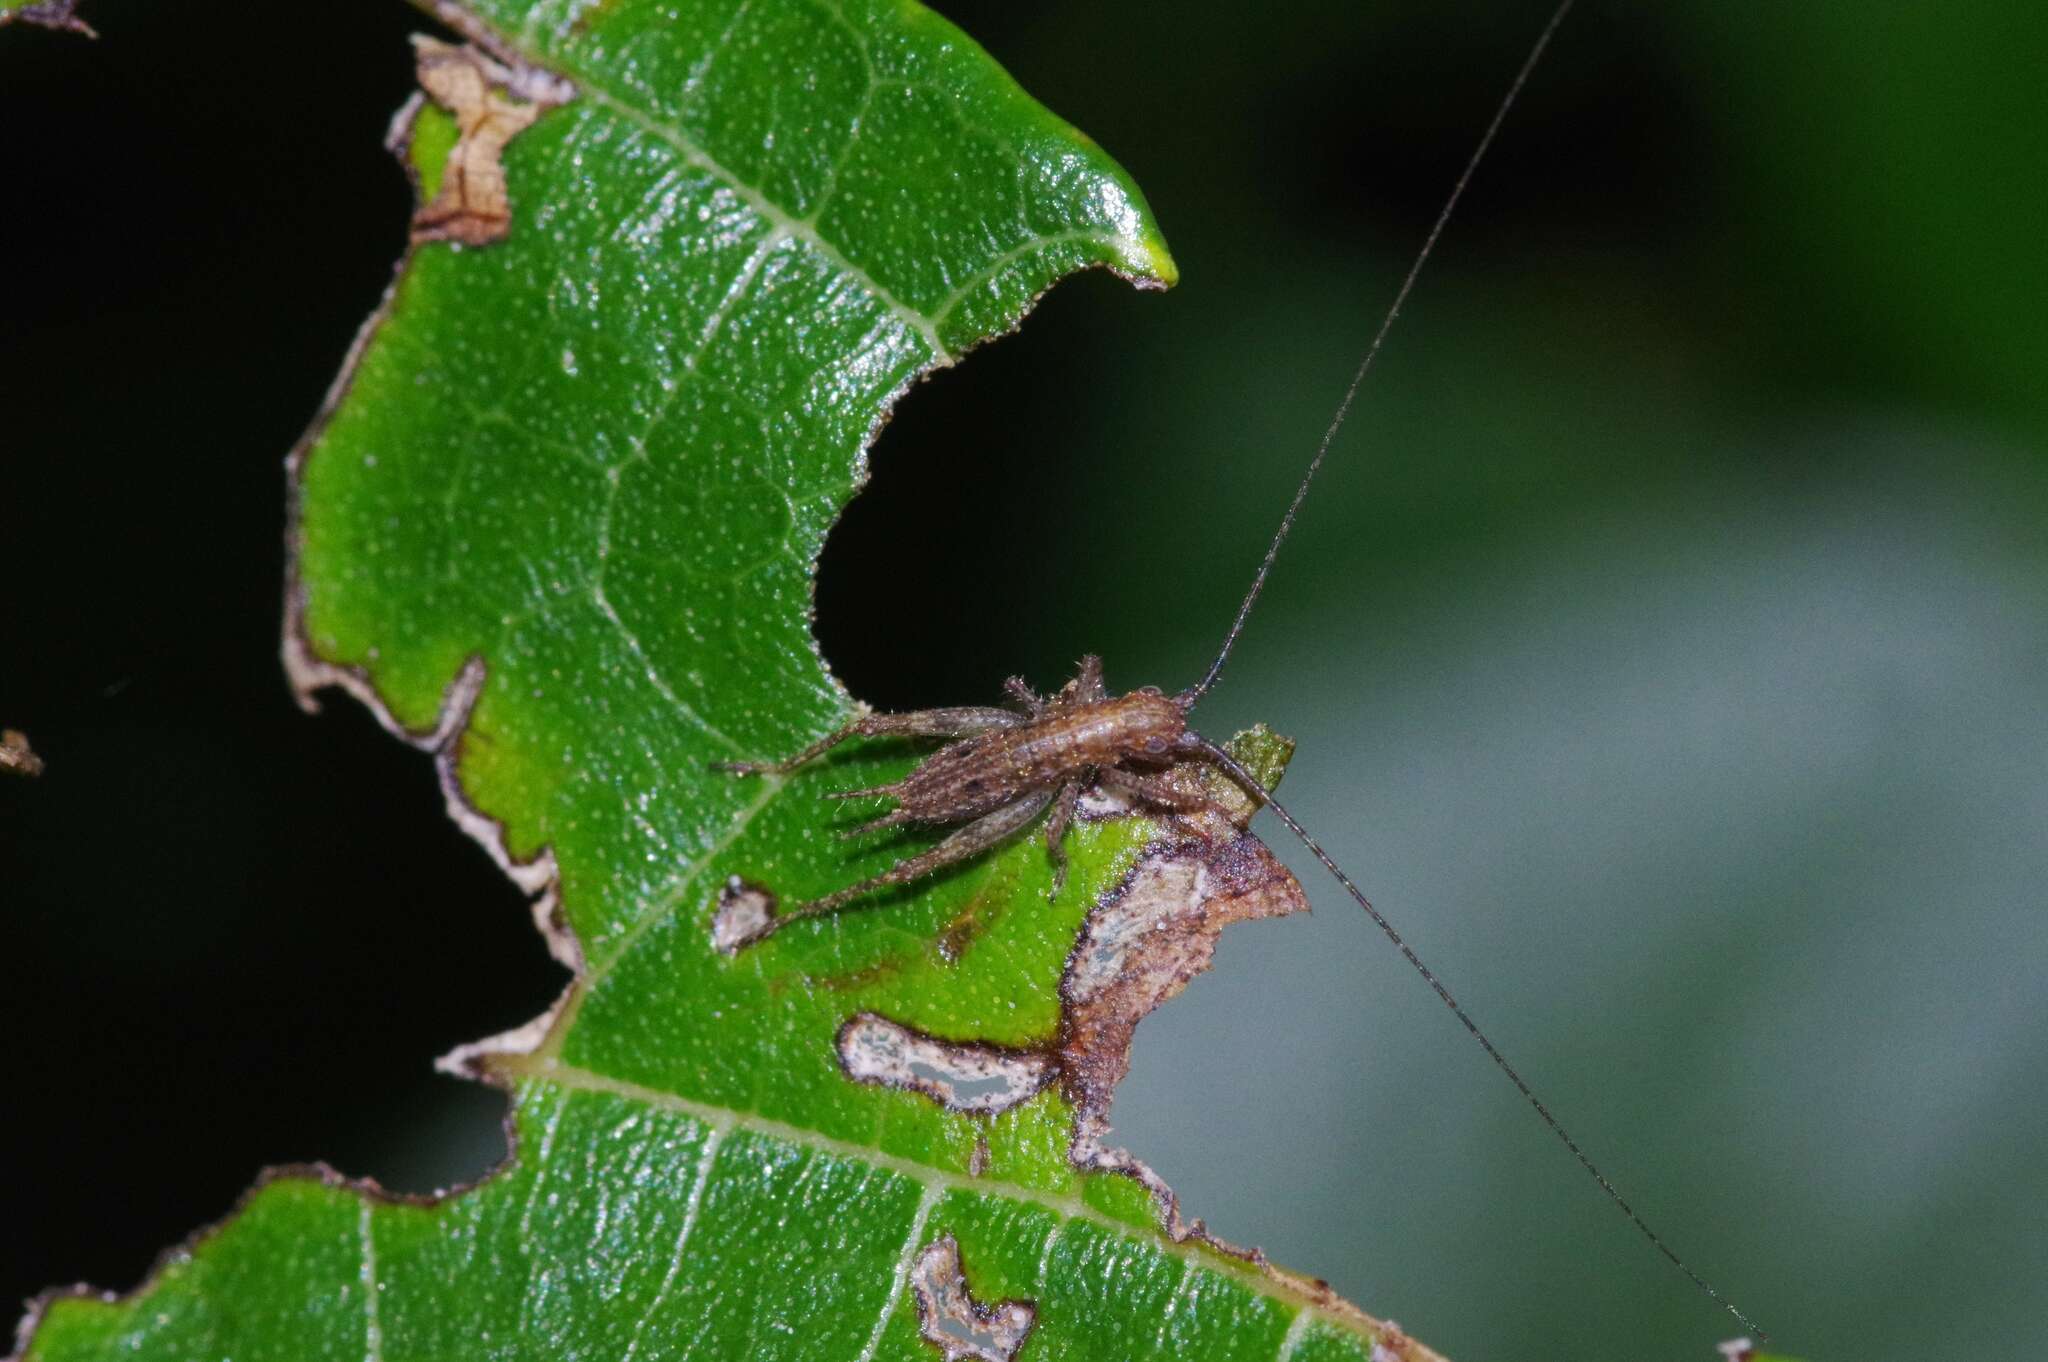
(957, 721)
(1088, 681)
(1022, 696)
(960, 721)
(1152, 789)
(891, 819)
(1056, 831)
(971, 840)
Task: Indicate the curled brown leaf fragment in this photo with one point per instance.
(492, 104)
(16, 757)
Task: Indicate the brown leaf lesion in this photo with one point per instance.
(492, 103)
(746, 914)
(966, 1077)
(1145, 940)
(951, 1320)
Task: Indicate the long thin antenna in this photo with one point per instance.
(1251, 784)
(1372, 351)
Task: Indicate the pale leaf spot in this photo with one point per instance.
(949, 1318)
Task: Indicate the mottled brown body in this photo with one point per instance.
(1005, 767)
(1068, 737)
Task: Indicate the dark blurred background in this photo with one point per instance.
(1667, 644)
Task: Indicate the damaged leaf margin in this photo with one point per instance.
(459, 171)
(556, 526)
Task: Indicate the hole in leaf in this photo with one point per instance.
(238, 936)
(967, 558)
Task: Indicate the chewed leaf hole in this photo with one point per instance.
(746, 913)
(963, 1077)
(951, 1320)
(987, 545)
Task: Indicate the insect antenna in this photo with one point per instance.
(1372, 351)
(1230, 766)
(1237, 772)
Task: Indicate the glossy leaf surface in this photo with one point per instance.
(558, 527)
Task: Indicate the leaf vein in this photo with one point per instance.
(664, 905)
(701, 68)
(1292, 1338)
(925, 1205)
(690, 1206)
(778, 216)
(1173, 1303)
(1022, 251)
(748, 272)
(373, 1328)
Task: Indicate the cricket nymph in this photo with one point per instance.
(1003, 767)
(1056, 742)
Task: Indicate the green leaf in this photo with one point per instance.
(557, 526)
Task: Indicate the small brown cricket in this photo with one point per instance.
(1005, 767)
(1002, 768)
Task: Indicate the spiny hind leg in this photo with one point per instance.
(972, 840)
(1086, 685)
(962, 721)
(1088, 680)
(957, 721)
(1154, 790)
(1056, 832)
(1023, 697)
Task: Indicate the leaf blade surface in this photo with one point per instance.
(558, 526)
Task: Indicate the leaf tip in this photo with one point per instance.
(1154, 266)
